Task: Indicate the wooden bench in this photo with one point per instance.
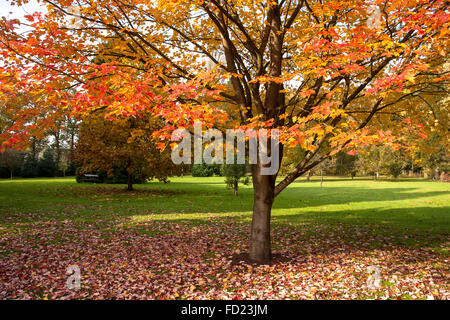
(91, 178)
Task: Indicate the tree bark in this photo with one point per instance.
(236, 188)
(57, 145)
(130, 183)
(308, 177)
(260, 243)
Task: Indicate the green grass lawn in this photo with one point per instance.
(412, 204)
(358, 215)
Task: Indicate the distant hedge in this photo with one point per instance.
(206, 170)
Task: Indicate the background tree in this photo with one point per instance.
(106, 145)
(322, 169)
(371, 161)
(345, 164)
(71, 129)
(29, 166)
(395, 168)
(46, 165)
(12, 160)
(235, 174)
(433, 152)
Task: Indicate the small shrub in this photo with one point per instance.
(235, 174)
(204, 170)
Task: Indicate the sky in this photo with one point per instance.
(15, 12)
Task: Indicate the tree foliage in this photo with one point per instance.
(47, 166)
(12, 160)
(108, 145)
(235, 174)
(205, 170)
(29, 167)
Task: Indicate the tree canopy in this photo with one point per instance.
(105, 145)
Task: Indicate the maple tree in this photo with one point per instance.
(432, 153)
(325, 73)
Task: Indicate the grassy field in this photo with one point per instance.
(324, 238)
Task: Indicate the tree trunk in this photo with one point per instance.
(130, 183)
(11, 174)
(236, 188)
(57, 145)
(263, 187)
(33, 149)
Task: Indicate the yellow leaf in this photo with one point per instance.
(411, 79)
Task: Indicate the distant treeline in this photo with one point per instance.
(51, 163)
(14, 163)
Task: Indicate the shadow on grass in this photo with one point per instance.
(414, 220)
(300, 203)
(375, 229)
(205, 196)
